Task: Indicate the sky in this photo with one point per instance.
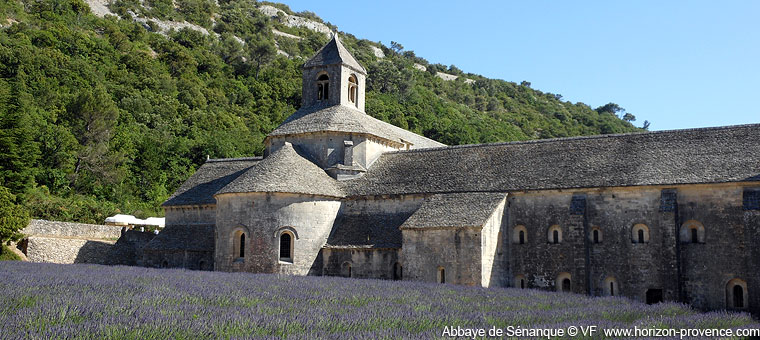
(677, 64)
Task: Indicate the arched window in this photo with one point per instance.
(640, 234)
(520, 282)
(519, 235)
(441, 275)
(352, 89)
(692, 232)
(555, 234)
(596, 235)
(611, 287)
(165, 264)
(239, 244)
(242, 245)
(286, 247)
(398, 272)
(736, 294)
(201, 264)
(564, 283)
(323, 87)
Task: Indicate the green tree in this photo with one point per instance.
(260, 51)
(93, 116)
(13, 217)
(611, 108)
(18, 151)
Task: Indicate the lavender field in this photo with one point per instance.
(48, 301)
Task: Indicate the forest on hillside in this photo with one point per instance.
(106, 115)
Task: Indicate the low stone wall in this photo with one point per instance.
(70, 229)
(67, 242)
(68, 250)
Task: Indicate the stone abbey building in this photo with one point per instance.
(672, 215)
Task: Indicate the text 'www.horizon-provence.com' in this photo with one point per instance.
(596, 331)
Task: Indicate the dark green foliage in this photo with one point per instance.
(101, 116)
(13, 217)
(7, 255)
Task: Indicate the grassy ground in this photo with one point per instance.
(7, 255)
(48, 301)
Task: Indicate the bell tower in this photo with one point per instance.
(333, 77)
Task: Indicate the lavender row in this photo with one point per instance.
(85, 301)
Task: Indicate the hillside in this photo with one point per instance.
(104, 113)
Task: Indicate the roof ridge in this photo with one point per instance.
(562, 139)
(234, 159)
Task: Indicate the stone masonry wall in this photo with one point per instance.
(68, 250)
(263, 217)
(365, 263)
(694, 273)
(66, 242)
(193, 260)
(191, 214)
(457, 251)
(70, 229)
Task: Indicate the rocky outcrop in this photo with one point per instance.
(294, 20)
(378, 52)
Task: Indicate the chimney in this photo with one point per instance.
(348, 153)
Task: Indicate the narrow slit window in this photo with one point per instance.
(242, 245)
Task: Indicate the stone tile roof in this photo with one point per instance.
(183, 237)
(363, 229)
(334, 53)
(456, 210)
(208, 179)
(285, 170)
(341, 118)
(707, 155)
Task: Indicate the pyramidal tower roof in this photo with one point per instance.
(334, 53)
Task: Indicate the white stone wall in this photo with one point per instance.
(491, 273)
(262, 216)
(371, 149)
(68, 250)
(346, 72)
